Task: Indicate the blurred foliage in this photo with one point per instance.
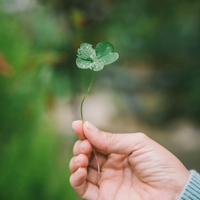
(164, 35)
(161, 34)
(38, 44)
(33, 165)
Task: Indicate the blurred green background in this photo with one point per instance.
(154, 87)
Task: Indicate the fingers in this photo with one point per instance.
(78, 161)
(78, 129)
(83, 188)
(82, 146)
(83, 150)
(78, 181)
(107, 143)
(113, 143)
(83, 179)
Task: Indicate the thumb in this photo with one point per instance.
(114, 143)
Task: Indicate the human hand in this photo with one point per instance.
(133, 166)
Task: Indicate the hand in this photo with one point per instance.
(133, 166)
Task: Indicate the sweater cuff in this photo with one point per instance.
(191, 191)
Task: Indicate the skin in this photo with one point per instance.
(133, 166)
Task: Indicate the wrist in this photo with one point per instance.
(191, 189)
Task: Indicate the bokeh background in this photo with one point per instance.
(154, 87)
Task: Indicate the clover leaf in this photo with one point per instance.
(96, 59)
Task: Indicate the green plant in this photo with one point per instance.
(94, 59)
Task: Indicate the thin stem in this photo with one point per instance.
(82, 118)
(81, 109)
(98, 165)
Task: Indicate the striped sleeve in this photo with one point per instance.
(191, 191)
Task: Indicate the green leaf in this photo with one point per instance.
(95, 59)
(97, 66)
(93, 65)
(103, 49)
(110, 58)
(83, 64)
(86, 52)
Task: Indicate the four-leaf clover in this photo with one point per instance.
(96, 59)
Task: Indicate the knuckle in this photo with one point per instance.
(141, 136)
(141, 140)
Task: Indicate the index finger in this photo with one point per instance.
(78, 129)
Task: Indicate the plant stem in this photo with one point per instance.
(98, 165)
(82, 118)
(88, 90)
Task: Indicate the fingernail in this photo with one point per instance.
(78, 170)
(82, 145)
(91, 127)
(77, 158)
(73, 124)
